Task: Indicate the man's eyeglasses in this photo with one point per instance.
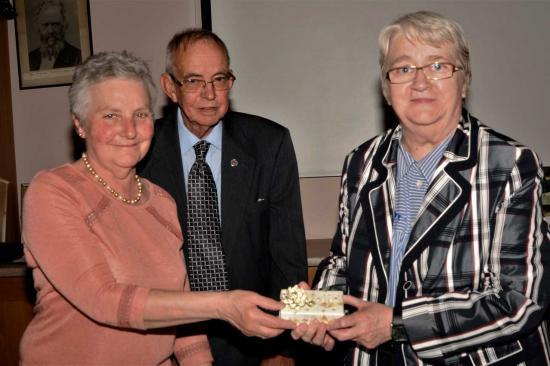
(220, 82)
(434, 71)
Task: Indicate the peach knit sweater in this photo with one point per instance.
(94, 260)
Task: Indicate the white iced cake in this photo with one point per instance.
(301, 305)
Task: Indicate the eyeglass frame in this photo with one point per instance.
(180, 84)
(417, 68)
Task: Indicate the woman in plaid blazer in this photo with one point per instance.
(441, 244)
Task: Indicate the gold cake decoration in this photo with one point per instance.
(305, 305)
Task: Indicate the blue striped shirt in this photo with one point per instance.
(413, 179)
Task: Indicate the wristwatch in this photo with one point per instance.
(398, 333)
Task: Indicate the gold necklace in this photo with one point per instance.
(109, 188)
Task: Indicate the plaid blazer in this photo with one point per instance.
(475, 277)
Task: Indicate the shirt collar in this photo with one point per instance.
(427, 164)
(188, 139)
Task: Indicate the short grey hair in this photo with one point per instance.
(188, 37)
(429, 28)
(104, 66)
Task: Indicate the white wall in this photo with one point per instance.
(312, 65)
(41, 120)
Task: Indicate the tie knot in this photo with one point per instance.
(201, 148)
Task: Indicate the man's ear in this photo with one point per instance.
(168, 87)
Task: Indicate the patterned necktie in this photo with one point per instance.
(206, 259)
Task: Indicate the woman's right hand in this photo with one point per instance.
(243, 310)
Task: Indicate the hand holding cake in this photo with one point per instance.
(311, 330)
(321, 319)
(368, 326)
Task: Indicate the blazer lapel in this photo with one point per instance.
(237, 168)
(447, 195)
(375, 234)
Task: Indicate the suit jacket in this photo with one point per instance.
(68, 56)
(262, 224)
(474, 280)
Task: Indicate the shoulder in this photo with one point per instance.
(62, 176)
(63, 183)
(158, 193)
(503, 151)
(370, 147)
(252, 125)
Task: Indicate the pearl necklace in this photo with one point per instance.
(109, 188)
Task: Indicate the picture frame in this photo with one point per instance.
(52, 37)
(24, 187)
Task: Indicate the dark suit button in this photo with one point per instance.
(407, 285)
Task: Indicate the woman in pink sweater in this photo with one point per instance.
(105, 246)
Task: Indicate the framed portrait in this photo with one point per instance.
(53, 36)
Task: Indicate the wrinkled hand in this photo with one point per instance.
(313, 332)
(243, 310)
(369, 325)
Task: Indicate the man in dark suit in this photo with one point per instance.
(255, 171)
(54, 50)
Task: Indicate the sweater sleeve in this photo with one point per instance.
(192, 349)
(60, 245)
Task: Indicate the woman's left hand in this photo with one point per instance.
(369, 326)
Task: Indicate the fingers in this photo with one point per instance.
(353, 301)
(313, 328)
(314, 333)
(265, 332)
(329, 342)
(343, 322)
(264, 325)
(319, 336)
(266, 302)
(299, 331)
(303, 285)
(271, 321)
(341, 328)
(343, 334)
(247, 315)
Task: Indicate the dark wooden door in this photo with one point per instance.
(7, 144)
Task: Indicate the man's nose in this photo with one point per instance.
(208, 91)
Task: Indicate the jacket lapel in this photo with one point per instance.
(375, 234)
(237, 169)
(447, 195)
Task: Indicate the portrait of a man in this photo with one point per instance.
(49, 22)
